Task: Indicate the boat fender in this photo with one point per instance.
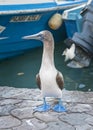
(55, 21)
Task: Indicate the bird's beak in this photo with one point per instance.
(35, 36)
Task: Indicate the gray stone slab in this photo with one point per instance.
(9, 101)
(4, 90)
(81, 108)
(6, 109)
(22, 113)
(90, 112)
(17, 93)
(8, 122)
(84, 127)
(59, 126)
(77, 96)
(31, 124)
(89, 120)
(46, 117)
(6, 129)
(28, 103)
(75, 118)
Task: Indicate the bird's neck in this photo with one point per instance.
(48, 54)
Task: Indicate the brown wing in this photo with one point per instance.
(60, 80)
(38, 81)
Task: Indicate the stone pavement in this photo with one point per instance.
(16, 110)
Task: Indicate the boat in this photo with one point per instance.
(79, 20)
(27, 17)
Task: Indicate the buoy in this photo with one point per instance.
(55, 21)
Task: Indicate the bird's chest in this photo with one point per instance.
(49, 85)
(48, 76)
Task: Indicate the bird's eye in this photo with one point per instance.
(41, 37)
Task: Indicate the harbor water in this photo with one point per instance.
(20, 71)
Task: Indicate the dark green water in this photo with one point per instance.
(20, 71)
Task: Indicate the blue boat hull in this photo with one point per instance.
(13, 44)
(16, 25)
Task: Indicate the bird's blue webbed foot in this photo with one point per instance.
(59, 107)
(45, 107)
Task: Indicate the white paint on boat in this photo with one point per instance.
(13, 2)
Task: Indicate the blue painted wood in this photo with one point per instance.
(73, 20)
(27, 6)
(14, 44)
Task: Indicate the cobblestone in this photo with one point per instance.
(17, 104)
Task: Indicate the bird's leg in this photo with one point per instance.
(44, 107)
(59, 107)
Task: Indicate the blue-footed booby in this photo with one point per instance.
(49, 79)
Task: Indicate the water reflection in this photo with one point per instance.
(79, 79)
(20, 71)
